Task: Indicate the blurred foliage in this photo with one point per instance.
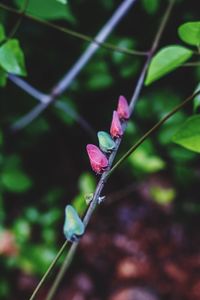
(45, 166)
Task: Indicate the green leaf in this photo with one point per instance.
(150, 6)
(188, 134)
(145, 160)
(190, 33)
(166, 60)
(106, 143)
(73, 226)
(2, 33)
(12, 58)
(99, 81)
(87, 183)
(162, 195)
(118, 57)
(16, 181)
(3, 77)
(48, 9)
(62, 1)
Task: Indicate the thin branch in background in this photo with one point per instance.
(192, 64)
(63, 268)
(77, 117)
(43, 98)
(60, 252)
(122, 193)
(19, 21)
(76, 34)
(107, 173)
(66, 81)
(29, 89)
(152, 130)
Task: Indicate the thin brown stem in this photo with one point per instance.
(61, 273)
(52, 265)
(152, 130)
(19, 21)
(192, 64)
(75, 34)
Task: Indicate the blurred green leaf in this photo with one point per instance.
(98, 75)
(126, 65)
(36, 258)
(87, 183)
(162, 195)
(3, 77)
(99, 81)
(48, 9)
(5, 288)
(144, 160)
(150, 6)
(2, 33)
(32, 214)
(180, 154)
(190, 33)
(38, 127)
(79, 203)
(15, 180)
(165, 61)
(188, 134)
(62, 1)
(49, 235)
(66, 111)
(119, 57)
(12, 58)
(51, 217)
(22, 230)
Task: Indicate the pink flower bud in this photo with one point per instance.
(123, 108)
(98, 160)
(116, 127)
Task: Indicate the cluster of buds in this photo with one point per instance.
(98, 156)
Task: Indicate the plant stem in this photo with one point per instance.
(65, 265)
(21, 15)
(106, 174)
(76, 34)
(192, 64)
(49, 270)
(121, 11)
(150, 131)
(43, 98)
(29, 89)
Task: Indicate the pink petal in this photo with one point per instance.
(98, 160)
(116, 127)
(123, 108)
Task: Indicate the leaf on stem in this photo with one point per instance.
(12, 58)
(73, 226)
(165, 61)
(106, 142)
(48, 9)
(190, 33)
(188, 134)
(2, 33)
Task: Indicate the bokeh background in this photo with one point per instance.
(143, 243)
